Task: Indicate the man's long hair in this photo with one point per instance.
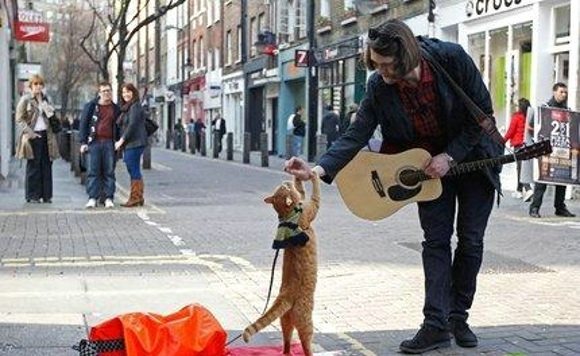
(393, 38)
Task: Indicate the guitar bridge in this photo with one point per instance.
(376, 181)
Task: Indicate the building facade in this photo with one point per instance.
(522, 47)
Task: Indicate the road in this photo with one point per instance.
(204, 237)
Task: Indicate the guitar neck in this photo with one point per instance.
(461, 168)
(478, 165)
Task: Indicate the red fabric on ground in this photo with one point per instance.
(296, 350)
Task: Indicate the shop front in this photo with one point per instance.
(521, 47)
(292, 93)
(341, 76)
(233, 101)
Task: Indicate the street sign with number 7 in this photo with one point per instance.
(301, 58)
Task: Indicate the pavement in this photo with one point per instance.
(64, 269)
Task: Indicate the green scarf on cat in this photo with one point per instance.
(289, 232)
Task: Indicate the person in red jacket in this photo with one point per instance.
(515, 136)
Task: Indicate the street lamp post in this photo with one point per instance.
(185, 68)
(312, 83)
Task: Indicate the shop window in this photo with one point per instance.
(562, 25)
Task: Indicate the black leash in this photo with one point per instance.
(269, 292)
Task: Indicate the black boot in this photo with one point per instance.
(463, 335)
(535, 213)
(563, 211)
(427, 338)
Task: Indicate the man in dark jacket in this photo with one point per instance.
(219, 129)
(330, 126)
(98, 132)
(416, 107)
(559, 100)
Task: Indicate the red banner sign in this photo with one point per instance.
(31, 32)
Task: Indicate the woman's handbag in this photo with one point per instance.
(55, 124)
(150, 126)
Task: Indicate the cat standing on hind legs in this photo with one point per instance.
(295, 301)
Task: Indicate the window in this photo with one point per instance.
(325, 8)
(210, 7)
(239, 59)
(216, 7)
(229, 47)
(210, 60)
(261, 22)
(217, 58)
(194, 46)
(349, 4)
(562, 25)
(253, 36)
(292, 25)
(201, 53)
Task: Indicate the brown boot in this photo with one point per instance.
(136, 195)
(139, 192)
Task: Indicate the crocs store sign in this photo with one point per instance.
(477, 8)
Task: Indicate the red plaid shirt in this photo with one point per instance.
(421, 105)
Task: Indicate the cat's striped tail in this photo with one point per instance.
(279, 308)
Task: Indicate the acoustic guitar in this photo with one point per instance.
(374, 186)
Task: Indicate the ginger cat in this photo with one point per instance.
(295, 300)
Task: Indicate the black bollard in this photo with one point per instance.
(230, 148)
(216, 138)
(264, 148)
(191, 142)
(147, 155)
(202, 144)
(183, 142)
(246, 149)
(168, 139)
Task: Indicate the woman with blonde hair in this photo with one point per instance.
(133, 141)
(37, 142)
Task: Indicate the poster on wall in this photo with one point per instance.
(562, 128)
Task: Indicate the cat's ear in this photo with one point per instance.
(269, 200)
(289, 201)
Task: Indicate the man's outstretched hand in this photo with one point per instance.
(298, 168)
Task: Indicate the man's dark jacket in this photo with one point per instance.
(86, 121)
(465, 139)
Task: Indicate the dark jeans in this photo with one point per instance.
(101, 169)
(540, 189)
(38, 184)
(450, 283)
(219, 138)
(132, 158)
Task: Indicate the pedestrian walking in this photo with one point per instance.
(298, 131)
(97, 135)
(133, 141)
(559, 100)
(219, 129)
(515, 136)
(191, 135)
(349, 117)
(330, 126)
(37, 142)
(199, 130)
(415, 106)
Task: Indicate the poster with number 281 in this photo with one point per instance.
(562, 128)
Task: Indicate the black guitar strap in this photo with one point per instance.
(482, 119)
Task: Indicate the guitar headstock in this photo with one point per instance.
(537, 149)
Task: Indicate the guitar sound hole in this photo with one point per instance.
(409, 177)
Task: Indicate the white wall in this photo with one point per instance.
(5, 101)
